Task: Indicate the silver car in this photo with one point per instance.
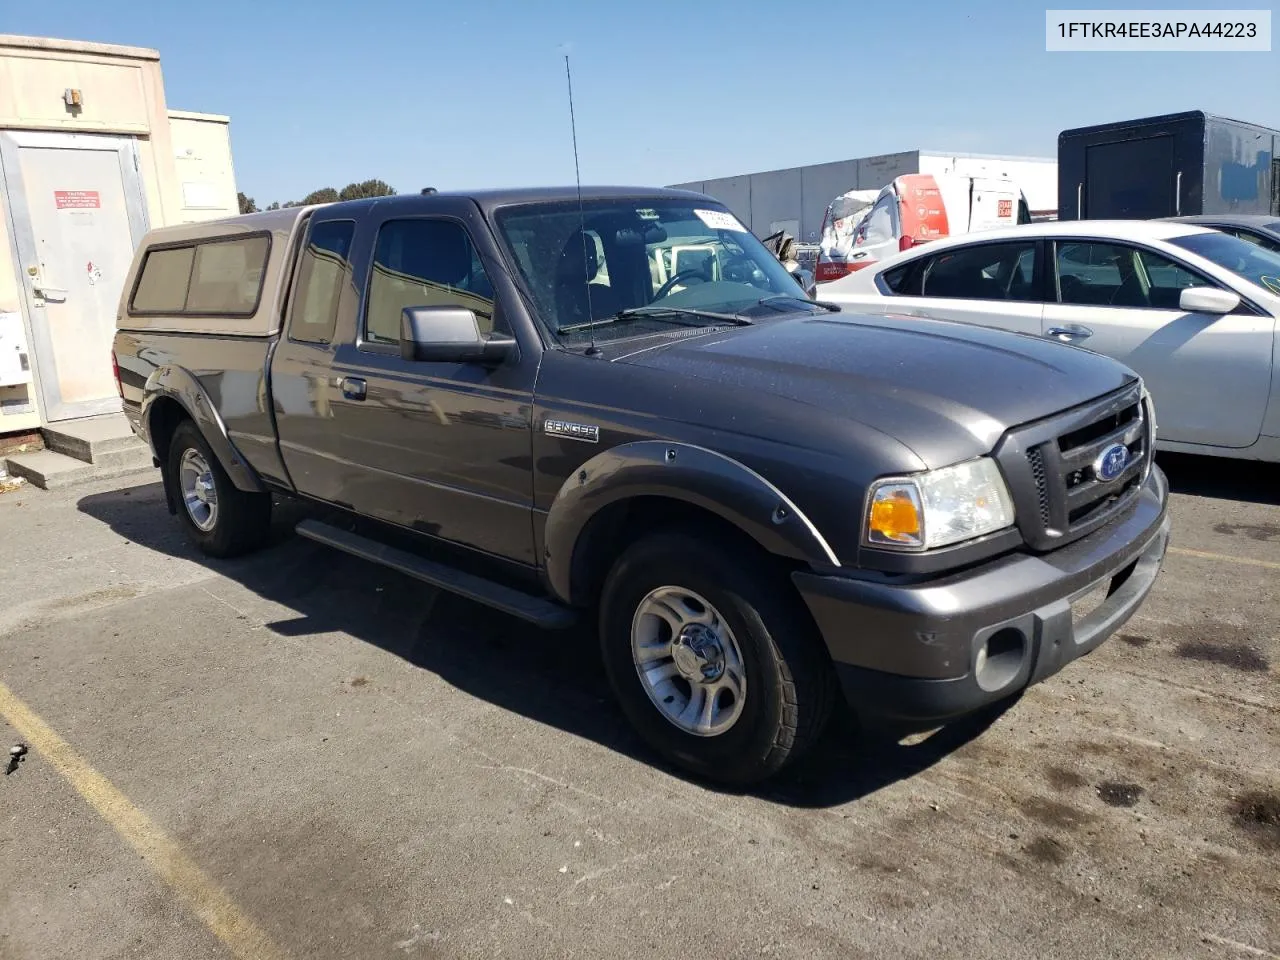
(1192, 309)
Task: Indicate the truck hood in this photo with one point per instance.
(948, 391)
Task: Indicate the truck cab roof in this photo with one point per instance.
(268, 238)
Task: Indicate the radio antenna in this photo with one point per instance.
(582, 221)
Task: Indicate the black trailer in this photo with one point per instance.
(1172, 165)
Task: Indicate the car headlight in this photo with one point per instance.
(940, 507)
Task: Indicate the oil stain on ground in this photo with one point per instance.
(1062, 779)
(1051, 813)
(1265, 532)
(1213, 641)
(1237, 656)
(1258, 814)
(1046, 850)
(1119, 794)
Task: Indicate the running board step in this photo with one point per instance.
(536, 610)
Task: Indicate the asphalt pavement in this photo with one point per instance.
(300, 755)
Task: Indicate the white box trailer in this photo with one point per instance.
(798, 196)
(1037, 178)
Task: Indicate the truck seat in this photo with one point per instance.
(573, 283)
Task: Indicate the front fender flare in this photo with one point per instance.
(679, 471)
(181, 385)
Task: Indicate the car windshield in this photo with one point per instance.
(645, 265)
(1231, 253)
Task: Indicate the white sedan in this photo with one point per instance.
(1191, 309)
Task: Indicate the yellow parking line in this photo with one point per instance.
(1206, 555)
(215, 909)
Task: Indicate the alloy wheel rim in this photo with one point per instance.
(199, 493)
(688, 661)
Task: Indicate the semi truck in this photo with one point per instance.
(1178, 164)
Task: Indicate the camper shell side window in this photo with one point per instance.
(217, 277)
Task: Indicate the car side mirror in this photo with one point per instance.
(1207, 300)
(449, 335)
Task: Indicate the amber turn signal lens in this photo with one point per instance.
(895, 517)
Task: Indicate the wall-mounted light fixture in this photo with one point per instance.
(72, 97)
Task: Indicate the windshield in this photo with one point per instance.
(1246, 259)
(676, 264)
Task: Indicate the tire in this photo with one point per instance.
(236, 521)
(787, 678)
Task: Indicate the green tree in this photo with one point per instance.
(324, 195)
(246, 204)
(367, 188)
(274, 206)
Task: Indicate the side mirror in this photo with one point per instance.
(449, 335)
(1207, 300)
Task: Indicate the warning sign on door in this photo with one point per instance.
(76, 199)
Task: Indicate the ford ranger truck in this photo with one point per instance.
(625, 410)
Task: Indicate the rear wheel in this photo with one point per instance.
(221, 519)
(714, 661)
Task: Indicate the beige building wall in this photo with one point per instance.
(184, 158)
(202, 160)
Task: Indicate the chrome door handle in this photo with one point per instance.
(353, 388)
(1072, 331)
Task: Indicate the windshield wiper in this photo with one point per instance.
(829, 307)
(662, 315)
(659, 313)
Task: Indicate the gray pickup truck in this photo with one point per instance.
(621, 406)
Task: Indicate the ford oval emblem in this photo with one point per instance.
(1111, 462)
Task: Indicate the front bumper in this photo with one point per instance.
(939, 649)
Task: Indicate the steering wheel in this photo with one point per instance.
(741, 269)
(663, 290)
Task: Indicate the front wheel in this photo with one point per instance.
(221, 519)
(715, 662)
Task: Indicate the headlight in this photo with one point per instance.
(939, 507)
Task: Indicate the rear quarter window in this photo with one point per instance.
(902, 281)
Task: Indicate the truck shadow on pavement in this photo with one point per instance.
(1220, 478)
(554, 678)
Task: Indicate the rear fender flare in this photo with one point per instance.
(180, 384)
(679, 471)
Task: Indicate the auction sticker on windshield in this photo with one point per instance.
(720, 220)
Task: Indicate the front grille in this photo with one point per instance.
(1036, 459)
(1056, 472)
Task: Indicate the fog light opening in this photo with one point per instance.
(1000, 658)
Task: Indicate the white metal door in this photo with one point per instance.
(1209, 375)
(76, 212)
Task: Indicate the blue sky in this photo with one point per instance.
(472, 94)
